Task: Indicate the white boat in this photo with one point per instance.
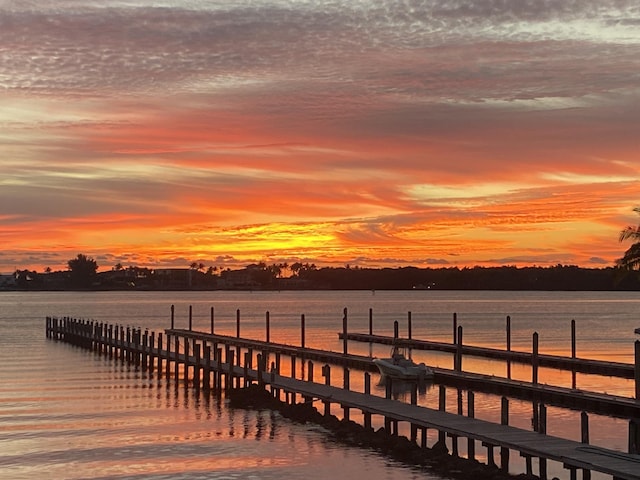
(398, 365)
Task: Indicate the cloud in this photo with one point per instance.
(327, 130)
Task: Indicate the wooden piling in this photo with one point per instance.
(344, 331)
(573, 352)
(455, 328)
(346, 384)
(267, 328)
(534, 360)
(471, 413)
(637, 368)
(367, 391)
(458, 357)
(206, 374)
(504, 420)
(584, 438)
(508, 327)
(442, 406)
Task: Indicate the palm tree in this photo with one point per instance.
(631, 258)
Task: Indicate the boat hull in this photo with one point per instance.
(413, 371)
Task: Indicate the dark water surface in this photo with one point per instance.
(69, 414)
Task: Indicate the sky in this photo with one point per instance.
(387, 133)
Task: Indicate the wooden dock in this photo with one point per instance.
(210, 361)
(591, 402)
(581, 365)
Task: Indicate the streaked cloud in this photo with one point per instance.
(381, 133)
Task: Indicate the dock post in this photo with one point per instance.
(458, 359)
(268, 332)
(217, 376)
(414, 401)
(395, 331)
(347, 386)
(471, 413)
(409, 325)
(302, 330)
(455, 328)
(367, 391)
(145, 345)
(542, 462)
(326, 373)
(228, 384)
(167, 364)
(152, 346)
(509, 347)
(128, 356)
(247, 380)
(584, 427)
(206, 377)
(584, 438)
(637, 369)
(173, 314)
(344, 331)
(197, 367)
(293, 366)
(442, 406)
(573, 353)
(534, 360)
(310, 371)
(371, 321)
(190, 317)
(260, 377)
(504, 420)
(542, 420)
(176, 359)
(159, 357)
(212, 316)
(187, 361)
(238, 323)
(387, 394)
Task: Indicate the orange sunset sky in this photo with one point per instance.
(371, 133)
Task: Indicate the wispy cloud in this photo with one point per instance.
(442, 131)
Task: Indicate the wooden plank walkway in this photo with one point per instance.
(593, 402)
(570, 453)
(134, 347)
(614, 369)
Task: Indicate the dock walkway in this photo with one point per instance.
(582, 365)
(139, 348)
(593, 402)
(573, 455)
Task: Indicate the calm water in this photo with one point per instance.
(69, 414)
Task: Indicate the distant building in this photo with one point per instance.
(241, 279)
(174, 278)
(7, 281)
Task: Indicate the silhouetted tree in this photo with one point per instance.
(631, 258)
(295, 268)
(82, 270)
